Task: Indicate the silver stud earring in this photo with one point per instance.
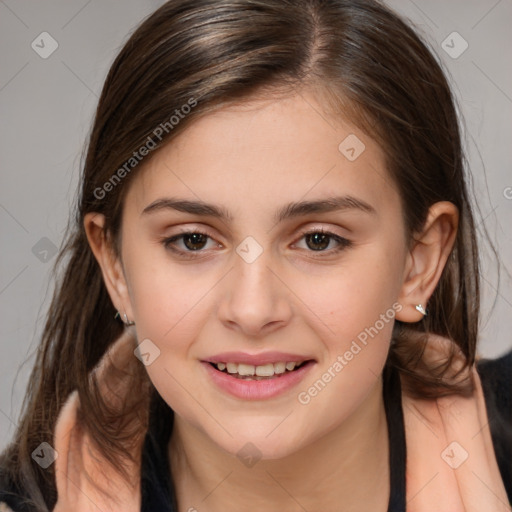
(125, 321)
(422, 310)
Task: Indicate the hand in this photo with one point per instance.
(86, 480)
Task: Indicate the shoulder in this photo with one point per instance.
(496, 378)
(157, 487)
(10, 499)
(8, 494)
(13, 498)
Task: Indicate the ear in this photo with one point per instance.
(426, 259)
(110, 264)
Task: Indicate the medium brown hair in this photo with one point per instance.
(219, 51)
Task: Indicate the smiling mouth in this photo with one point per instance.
(261, 372)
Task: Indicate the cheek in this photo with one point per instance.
(356, 300)
(355, 311)
(164, 297)
(170, 307)
(359, 318)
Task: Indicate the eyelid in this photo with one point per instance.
(318, 229)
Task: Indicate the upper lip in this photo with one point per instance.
(256, 359)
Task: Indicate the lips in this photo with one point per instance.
(257, 376)
(257, 387)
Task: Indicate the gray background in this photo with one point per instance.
(47, 107)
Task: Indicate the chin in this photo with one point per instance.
(262, 446)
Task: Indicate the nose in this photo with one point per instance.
(255, 301)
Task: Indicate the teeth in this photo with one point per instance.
(232, 367)
(264, 370)
(246, 369)
(279, 368)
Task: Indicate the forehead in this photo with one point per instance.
(267, 152)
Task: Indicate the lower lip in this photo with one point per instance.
(257, 389)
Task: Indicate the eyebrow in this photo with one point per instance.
(289, 211)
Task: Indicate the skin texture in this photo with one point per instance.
(253, 159)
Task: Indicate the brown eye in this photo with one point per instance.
(194, 241)
(319, 240)
(187, 243)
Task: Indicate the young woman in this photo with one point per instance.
(271, 288)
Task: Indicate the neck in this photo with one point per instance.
(346, 470)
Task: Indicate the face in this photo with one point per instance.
(265, 234)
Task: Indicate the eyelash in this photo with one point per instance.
(343, 243)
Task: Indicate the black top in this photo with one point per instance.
(157, 488)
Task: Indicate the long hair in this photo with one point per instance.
(182, 62)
